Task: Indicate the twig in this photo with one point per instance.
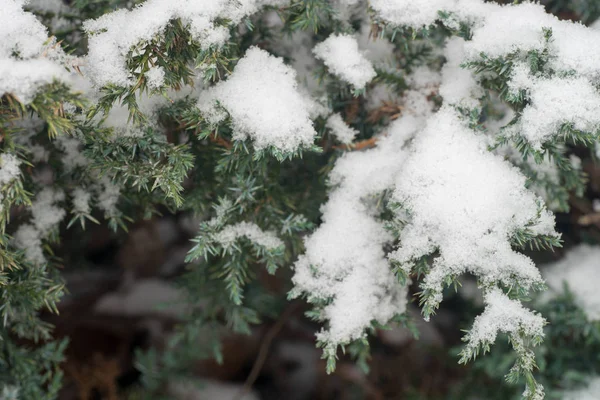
(220, 141)
(388, 109)
(264, 349)
(589, 219)
(363, 144)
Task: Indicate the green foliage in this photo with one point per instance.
(145, 163)
(35, 372)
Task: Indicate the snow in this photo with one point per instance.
(378, 50)
(341, 55)
(156, 77)
(209, 389)
(228, 235)
(146, 296)
(46, 215)
(344, 259)
(508, 28)
(112, 36)
(108, 196)
(23, 78)
(28, 238)
(148, 104)
(9, 168)
(340, 129)
(81, 201)
(28, 59)
(408, 12)
(424, 78)
(557, 101)
(590, 392)
(297, 48)
(505, 315)
(380, 94)
(458, 85)
(570, 96)
(580, 270)
(72, 156)
(264, 103)
(455, 208)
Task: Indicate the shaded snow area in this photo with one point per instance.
(579, 270)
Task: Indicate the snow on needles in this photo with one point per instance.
(341, 55)
(263, 101)
(228, 235)
(21, 33)
(344, 259)
(46, 215)
(340, 129)
(446, 188)
(9, 168)
(569, 97)
(114, 35)
(504, 315)
(555, 102)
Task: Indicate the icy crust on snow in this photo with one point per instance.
(112, 36)
(344, 260)
(466, 203)
(504, 315)
(262, 98)
(580, 270)
(341, 55)
(27, 59)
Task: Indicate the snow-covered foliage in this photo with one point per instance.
(227, 236)
(28, 58)
(46, 215)
(454, 118)
(341, 55)
(344, 258)
(9, 168)
(340, 129)
(114, 35)
(263, 102)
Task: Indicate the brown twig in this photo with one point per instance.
(388, 109)
(363, 144)
(589, 219)
(263, 352)
(220, 141)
